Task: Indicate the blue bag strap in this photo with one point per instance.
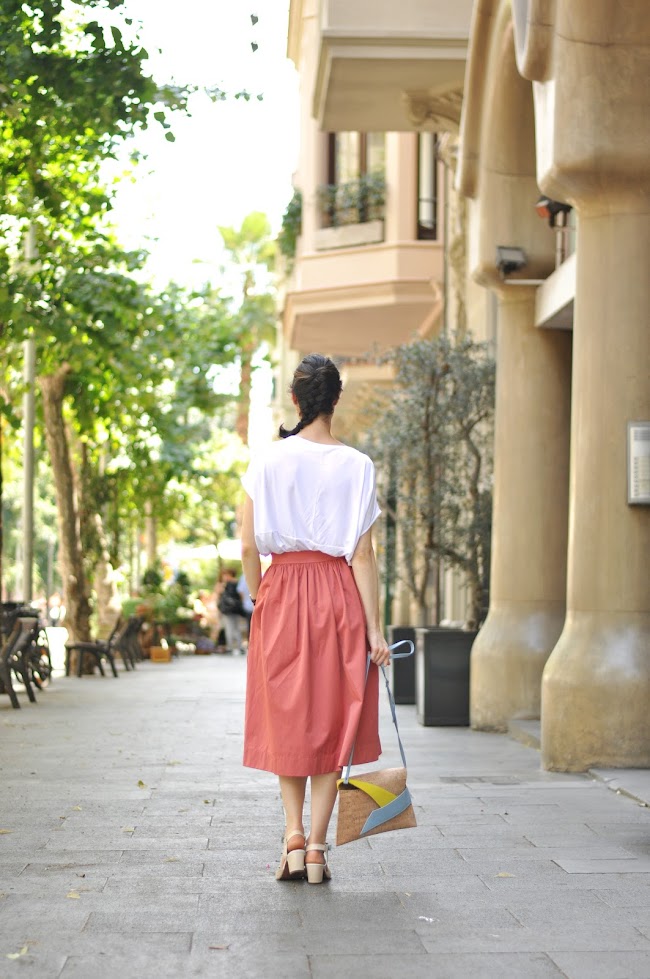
(402, 642)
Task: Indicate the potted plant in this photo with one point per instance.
(432, 444)
(291, 228)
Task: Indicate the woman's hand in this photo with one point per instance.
(379, 652)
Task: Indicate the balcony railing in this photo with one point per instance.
(355, 202)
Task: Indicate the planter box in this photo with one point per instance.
(349, 236)
(158, 654)
(402, 670)
(442, 676)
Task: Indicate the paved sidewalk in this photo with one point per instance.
(134, 844)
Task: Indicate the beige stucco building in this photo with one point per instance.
(552, 195)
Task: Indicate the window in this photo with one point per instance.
(351, 155)
(427, 187)
(355, 191)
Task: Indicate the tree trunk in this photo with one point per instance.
(150, 535)
(75, 595)
(1, 525)
(108, 600)
(244, 399)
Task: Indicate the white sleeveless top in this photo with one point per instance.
(308, 496)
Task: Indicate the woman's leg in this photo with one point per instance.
(292, 789)
(323, 797)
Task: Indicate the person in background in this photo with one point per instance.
(247, 604)
(231, 609)
(311, 502)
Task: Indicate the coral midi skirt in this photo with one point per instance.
(306, 696)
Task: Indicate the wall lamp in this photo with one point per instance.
(510, 259)
(555, 211)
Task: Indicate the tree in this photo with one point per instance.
(432, 442)
(253, 317)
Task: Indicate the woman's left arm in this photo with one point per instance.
(250, 556)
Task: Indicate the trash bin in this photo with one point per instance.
(442, 676)
(402, 670)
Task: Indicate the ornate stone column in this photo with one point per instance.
(591, 64)
(531, 453)
(528, 580)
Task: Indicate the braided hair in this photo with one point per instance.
(316, 385)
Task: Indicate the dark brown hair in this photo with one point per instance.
(317, 386)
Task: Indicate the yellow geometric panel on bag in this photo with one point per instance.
(379, 795)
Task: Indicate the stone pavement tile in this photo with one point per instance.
(346, 879)
(314, 941)
(35, 923)
(53, 883)
(603, 965)
(638, 849)
(633, 781)
(102, 965)
(573, 938)
(245, 897)
(550, 915)
(160, 866)
(571, 836)
(578, 865)
(437, 966)
(526, 851)
(445, 897)
(74, 858)
(469, 819)
(341, 910)
(214, 963)
(635, 895)
(11, 869)
(485, 863)
(222, 919)
(129, 841)
(428, 861)
(588, 882)
(104, 901)
(474, 831)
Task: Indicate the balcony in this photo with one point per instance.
(385, 66)
(348, 300)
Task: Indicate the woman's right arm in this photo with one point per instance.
(364, 568)
(250, 556)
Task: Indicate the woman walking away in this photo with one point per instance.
(311, 501)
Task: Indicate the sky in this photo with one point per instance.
(229, 158)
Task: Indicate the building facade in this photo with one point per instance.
(552, 186)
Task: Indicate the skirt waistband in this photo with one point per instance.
(305, 557)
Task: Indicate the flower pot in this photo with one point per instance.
(402, 670)
(442, 676)
(160, 654)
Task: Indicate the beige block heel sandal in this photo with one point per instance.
(292, 864)
(317, 872)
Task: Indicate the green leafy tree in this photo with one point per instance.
(432, 441)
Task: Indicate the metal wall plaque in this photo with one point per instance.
(638, 462)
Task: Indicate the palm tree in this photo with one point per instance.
(254, 320)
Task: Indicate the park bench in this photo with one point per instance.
(123, 640)
(16, 654)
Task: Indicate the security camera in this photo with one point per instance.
(510, 259)
(555, 211)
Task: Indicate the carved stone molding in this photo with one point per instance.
(435, 112)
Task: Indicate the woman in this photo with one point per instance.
(311, 502)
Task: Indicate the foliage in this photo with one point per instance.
(291, 227)
(253, 318)
(432, 442)
(139, 405)
(353, 202)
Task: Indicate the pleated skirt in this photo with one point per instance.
(306, 695)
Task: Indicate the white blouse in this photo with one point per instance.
(308, 496)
